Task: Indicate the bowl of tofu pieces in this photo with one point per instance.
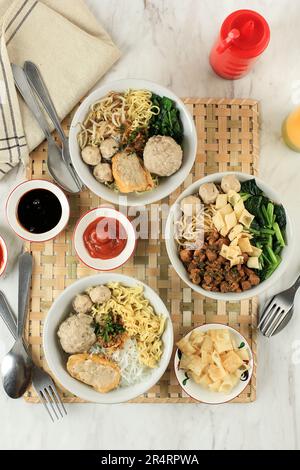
(229, 236)
(213, 363)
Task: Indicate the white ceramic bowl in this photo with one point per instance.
(202, 394)
(104, 264)
(12, 210)
(178, 265)
(57, 359)
(3, 248)
(167, 185)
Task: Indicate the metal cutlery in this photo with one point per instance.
(7, 316)
(16, 366)
(57, 168)
(48, 394)
(38, 85)
(278, 311)
(41, 381)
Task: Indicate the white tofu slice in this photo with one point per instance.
(218, 221)
(256, 251)
(233, 252)
(235, 232)
(237, 260)
(221, 201)
(253, 262)
(238, 208)
(224, 231)
(233, 197)
(246, 218)
(245, 245)
(247, 235)
(230, 220)
(235, 242)
(238, 250)
(226, 209)
(224, 251)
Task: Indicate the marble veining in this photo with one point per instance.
(168, 41)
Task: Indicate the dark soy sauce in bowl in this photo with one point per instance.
(39, 211)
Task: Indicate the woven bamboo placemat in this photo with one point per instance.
(228, 139)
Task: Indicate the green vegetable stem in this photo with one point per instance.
(267, 228)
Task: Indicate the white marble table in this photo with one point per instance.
(168, 41)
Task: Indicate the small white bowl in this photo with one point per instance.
(104, 264)
(57, 359)
(173, 251)
(3, 248)
(167, 185)
(12, 210)
(202, 394)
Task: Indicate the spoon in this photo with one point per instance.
(57, 167)
(17, 366)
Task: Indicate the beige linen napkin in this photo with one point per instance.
(72, 52)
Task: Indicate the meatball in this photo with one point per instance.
(190, 205)
(99, 294)
(82, 303)
(162, 156)
(208, 193)
(103, 173)
(230, 182)
(91, 155)
(186, 256)
(77, 334)
(108, 148)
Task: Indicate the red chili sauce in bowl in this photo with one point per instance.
(105, 238)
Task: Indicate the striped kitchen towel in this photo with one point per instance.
(72, 52)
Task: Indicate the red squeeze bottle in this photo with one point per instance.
(244, 36)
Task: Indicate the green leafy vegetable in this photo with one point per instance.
(280, 215)
(267, 227)
(167, 122)
(250, 187)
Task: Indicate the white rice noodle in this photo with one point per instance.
(127, 358)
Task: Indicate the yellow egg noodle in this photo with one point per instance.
(140, 108)
(106, 116)
(140, 320)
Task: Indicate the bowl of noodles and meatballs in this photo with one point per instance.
(132, 142)
(108, 338)
(228, 236)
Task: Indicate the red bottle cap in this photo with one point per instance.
(254, 33)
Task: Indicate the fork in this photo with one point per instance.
(277, 310)
(49, 396)
(41, 381)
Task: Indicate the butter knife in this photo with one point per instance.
(38, 85)
(56, 165)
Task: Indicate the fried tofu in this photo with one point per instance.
(129, 174)
(94, 370)
(186, 347)
(231, 361)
